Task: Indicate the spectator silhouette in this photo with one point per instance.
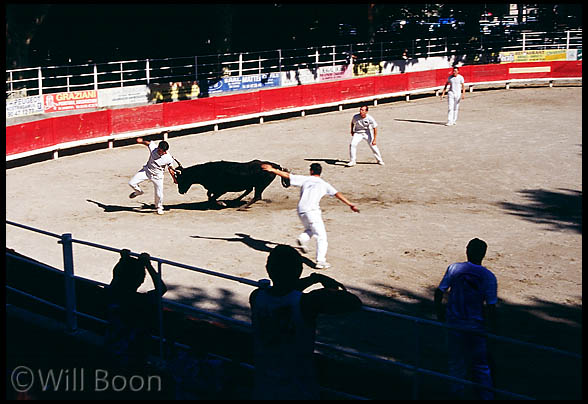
(469, 285)
(284, 325)
(132, 315)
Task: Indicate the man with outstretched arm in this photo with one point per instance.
(312, 189)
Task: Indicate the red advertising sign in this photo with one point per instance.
(70, 101)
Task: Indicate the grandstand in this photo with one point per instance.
(214, 310)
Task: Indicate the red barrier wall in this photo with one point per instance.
(131, 119)
(81, 126)
(280, 98)
(185, 112)
(29, 136)
(53, 131)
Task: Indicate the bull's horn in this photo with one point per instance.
(179, 164)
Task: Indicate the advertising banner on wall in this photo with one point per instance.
(367, 69)
(297, 77)
(123, 96)
(546, 55)
(334, 72)
(70, 101)
(242, 83)
(24, 106)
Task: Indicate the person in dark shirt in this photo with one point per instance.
(284, 325)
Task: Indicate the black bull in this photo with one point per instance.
(220, 177)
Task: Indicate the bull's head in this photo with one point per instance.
(183, 185)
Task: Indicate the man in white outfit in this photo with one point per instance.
(363, 127)
(456, 93)
(312, 189)
(159, 158)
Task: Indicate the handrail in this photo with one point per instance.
(71, 311)
(51, 79)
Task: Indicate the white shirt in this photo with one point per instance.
(455, 83)
(156, 163)
(469, 286)
(363, 125)
(312, 189)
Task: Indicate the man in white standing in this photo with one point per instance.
(363, 127)
(312, 189)
(159, 158)
(456, 93)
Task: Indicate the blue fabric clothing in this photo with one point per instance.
(283, 348)
(469, 286)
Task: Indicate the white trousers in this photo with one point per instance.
(314, 227)
(453, 100)
(356, 139)
(157, 186)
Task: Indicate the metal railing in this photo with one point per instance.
(67, 241)
(94, 76)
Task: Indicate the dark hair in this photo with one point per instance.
(163, 145)
(476, 250)
(315, 168)
(284, 264)
(367, 107)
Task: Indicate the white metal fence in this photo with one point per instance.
(67, 241)
(94, 76)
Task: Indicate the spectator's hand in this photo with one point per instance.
(266, 167)
(328, 282)
(144, 259)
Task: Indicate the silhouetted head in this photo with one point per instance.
(284, 265)
(316, 169)
(476, 250)
(128, 273)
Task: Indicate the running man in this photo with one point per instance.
(153, 170)
(312, 189)
(363, 127)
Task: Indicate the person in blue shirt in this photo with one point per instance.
(471, 305)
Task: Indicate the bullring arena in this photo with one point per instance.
(509, 173)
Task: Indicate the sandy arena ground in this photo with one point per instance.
(509, 173)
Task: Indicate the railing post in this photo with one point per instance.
(70, 286)
(121, 75)
(40, 76)
(334, 60)
(417, 349)
(524, 40)
(95, 77)
(196, 69)
(316, 58)
(567, 40)
(160, 309)
(240, 64)
(147, 71)
(280, 60)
